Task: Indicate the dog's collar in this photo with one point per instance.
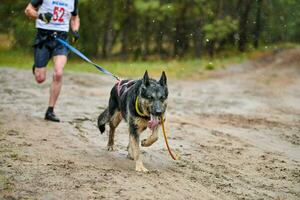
(137, 108)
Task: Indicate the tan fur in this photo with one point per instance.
(134, 149)
(134, 153)
(113, 123)
(141, 124)
(151, 139)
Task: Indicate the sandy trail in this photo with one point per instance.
(238, 134)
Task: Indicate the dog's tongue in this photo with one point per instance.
(153, 123)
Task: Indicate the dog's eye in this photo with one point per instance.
(150, 97)
(162, 98)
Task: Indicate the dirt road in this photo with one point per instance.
(237, 132)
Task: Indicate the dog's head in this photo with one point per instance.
(154, 95)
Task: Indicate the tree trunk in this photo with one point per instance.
(108, 32)
(181, 42)
(198, 38)
(258, 23)
(243, 28)
(221, 9)
(126, 25)
(146, 39)
(159, 41)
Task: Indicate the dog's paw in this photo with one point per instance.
(143, 143)
(129, 156)
(148, 142)
(110, 148)
(139, 167)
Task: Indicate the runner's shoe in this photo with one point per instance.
(50, 116)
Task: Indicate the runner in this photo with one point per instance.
(53, 18)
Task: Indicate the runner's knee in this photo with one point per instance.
(40, 78)
(57, 76)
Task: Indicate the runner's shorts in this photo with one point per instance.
(45, 46)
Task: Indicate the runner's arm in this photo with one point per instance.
(31, 11)
(75, 23)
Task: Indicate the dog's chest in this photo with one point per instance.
(141, 123)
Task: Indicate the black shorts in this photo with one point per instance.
(45, 47)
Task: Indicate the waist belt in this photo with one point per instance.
(48, 35)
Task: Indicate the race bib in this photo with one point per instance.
(61, 10)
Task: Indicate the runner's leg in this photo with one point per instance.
(41, 58)
(40, 74)
(59, 64)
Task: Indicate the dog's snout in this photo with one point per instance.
(158, 112)
(158, 108)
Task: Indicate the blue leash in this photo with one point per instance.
(78, 53)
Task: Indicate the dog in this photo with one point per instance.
(141, 103)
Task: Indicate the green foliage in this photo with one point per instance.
(91, 26)
(23, 34)
(14, 22)
(220, 28)
(144, 6)
(210, 66)
(144, 29)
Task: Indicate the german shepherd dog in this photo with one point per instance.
(141, 103)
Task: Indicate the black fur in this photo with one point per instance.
(151, 94)
(102, 119)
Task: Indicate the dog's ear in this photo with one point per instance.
(146, 81)
(163, 79)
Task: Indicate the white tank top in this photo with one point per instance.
(61, 10)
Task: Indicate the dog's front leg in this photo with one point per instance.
(151, 139)
(134, 148)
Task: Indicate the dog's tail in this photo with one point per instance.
(102, 120)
